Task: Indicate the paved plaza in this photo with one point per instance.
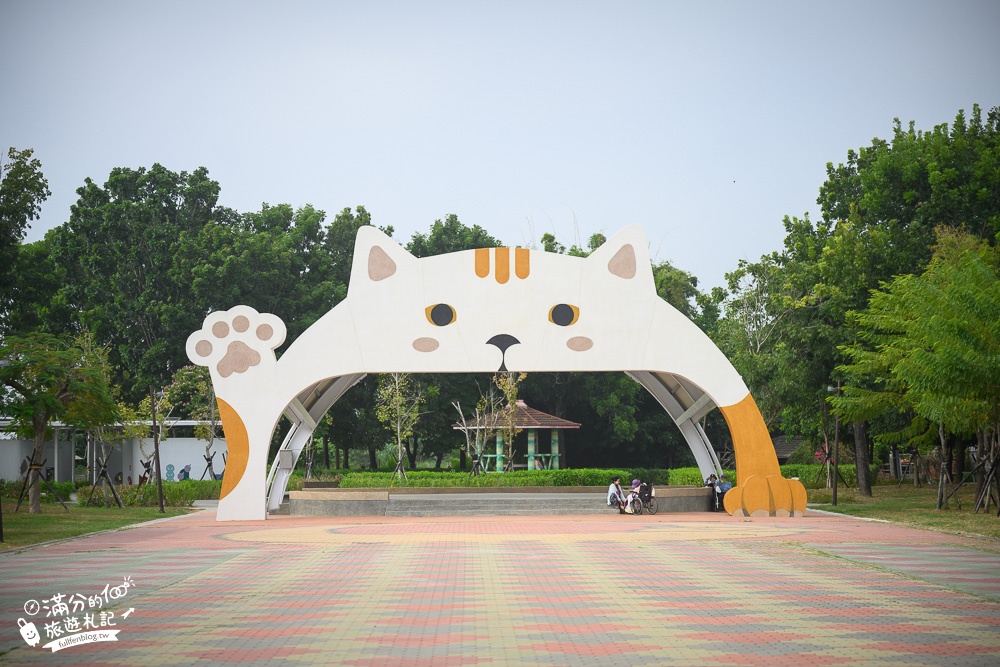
(670, 589)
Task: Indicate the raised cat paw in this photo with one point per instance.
(236, 340)
(770, 495)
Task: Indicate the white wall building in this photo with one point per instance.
(180, 457)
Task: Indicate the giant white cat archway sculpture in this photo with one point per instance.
(477, 311)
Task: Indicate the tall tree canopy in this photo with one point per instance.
(918, 181)
(879, 209)
(930, 346)
(791, 315)
(23, 188)
(122, 249)
(450, 235)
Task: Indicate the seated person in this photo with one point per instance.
(633, 494)
(616, 497)
(713, 482)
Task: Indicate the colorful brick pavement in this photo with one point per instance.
(700, 589)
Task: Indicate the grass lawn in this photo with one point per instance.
(54, 523)
(913, 506)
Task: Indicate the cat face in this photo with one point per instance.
(501, 308)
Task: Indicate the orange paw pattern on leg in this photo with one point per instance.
(238, 443)
(757, 496)
(798, 497)
(733, 501)
(766, 495)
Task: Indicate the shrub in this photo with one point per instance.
(175, 494)
(11, 490)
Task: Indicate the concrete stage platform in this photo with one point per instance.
(517, 501)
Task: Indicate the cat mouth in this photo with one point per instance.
(503, 342)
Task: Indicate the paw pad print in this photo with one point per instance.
(236, 340)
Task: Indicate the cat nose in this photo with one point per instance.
(502, 342)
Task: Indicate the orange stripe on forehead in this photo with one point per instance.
(503, 265)
(482, 262)
(522, 262)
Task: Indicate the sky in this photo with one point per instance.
(704, 122)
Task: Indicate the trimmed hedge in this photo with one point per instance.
(515, 478)
(655, 476)
(693, 477)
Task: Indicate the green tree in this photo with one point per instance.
(449, 235)
(275, 260)
(399, 402)
(484, 423)
(120, 248)
(751, 332)
(289, 262)
(36, 303)
(50, 377)
(934, 338)
(918, 181)
(550, 244)
(434, 432)
(507, 427)
(23, 189)
(676, 287)
(339, 241)
(787, 322)
(879, 213)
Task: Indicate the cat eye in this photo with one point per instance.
(564, 314)
(441, 314)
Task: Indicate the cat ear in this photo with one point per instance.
(376, 256)
(625, 255)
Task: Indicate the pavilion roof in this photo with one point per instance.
(528, 418)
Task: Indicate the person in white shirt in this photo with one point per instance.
(616, 498)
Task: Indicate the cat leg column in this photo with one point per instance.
(242, 497)
(762, 491)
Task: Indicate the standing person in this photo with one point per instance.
(615, 495)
